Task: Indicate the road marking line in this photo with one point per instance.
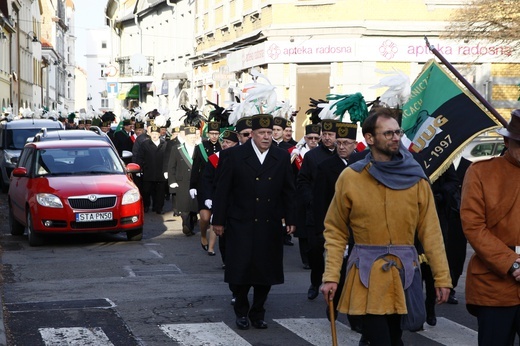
(317, 331)
(207, 334)
(74, 337)
(447, 332)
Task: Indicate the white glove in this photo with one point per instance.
(174, 185)
(166, 175)
(295, 152)
(193, 193)
(208, 203)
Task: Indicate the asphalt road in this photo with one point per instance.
(163, 290)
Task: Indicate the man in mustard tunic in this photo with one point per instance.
(382, 201)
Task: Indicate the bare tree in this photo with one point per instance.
(495, 21)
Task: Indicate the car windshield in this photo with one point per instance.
(78, 161)
(16, 138)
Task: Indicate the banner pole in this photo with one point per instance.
(466, 83)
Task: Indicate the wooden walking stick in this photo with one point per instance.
(332, 317)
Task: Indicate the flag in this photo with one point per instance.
(441, 117)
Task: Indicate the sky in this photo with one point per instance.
(89, 14)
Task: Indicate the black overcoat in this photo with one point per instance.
(306, 179)
(250, 200)
(199, 163)
(179, 167)
(151, 158)
(327, 173)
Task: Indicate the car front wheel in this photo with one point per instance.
(135, 235)
(34, 238)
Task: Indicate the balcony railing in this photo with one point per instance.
(129, 66)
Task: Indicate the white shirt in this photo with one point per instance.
(261, 156)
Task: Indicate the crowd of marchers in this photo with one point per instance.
(373, 231)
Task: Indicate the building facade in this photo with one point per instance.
(187, 52)
(37, 55)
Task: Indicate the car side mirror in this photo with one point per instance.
(20, 172)
(126, 154)
(14, 160)
(133, 168)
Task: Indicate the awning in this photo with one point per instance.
(133, 93)
(174, 75)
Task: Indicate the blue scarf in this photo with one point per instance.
(400, 173)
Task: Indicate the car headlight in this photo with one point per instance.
(131, 196)
(49, 200)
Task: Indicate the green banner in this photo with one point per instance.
(441, 117)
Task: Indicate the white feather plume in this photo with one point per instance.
(398, 85)
(160, 120)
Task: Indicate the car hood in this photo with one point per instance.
(86, 185)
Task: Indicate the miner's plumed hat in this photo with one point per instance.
(262, 121)
(230, 135)
(214, 126)
(279, 121)
(313, 129)
(346, 130)
(190, 130)
(328, 125)
(244, 123)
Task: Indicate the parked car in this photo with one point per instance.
(94, 133)
(13, 135)
(74, 186)
(483, 147)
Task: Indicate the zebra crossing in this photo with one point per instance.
(315, 331)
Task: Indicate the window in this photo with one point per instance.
(103, 44)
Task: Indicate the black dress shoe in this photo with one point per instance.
(242, 323)
(431, 320)
(259, 324)
(452, 300)
(160, 212)
(312, 293)
(288, 242)
(306, 266)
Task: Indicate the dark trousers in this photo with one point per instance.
(303, 244)
(382, 330)
(429, 286)
(242, 308)
(155, 190)
(497, 326)
(316, 259)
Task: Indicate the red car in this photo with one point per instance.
(74, 186)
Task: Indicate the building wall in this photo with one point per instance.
(366, 36)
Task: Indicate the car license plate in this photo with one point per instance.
(87, 217)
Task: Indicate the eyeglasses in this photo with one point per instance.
(313, 138)
(245, 134)
(390, 134)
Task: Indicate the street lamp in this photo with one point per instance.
(32, 37)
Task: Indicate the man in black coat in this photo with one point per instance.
(327, 173)
(254, 192)
(305, 187)
(123, 139)
(177, 170)
(150, 158)
(200, 159)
